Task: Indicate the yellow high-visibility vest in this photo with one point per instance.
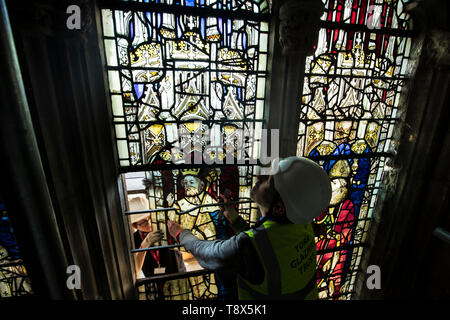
(288, 256)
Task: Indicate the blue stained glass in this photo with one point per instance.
(229, 5)
(139, 89)
(202, 27)
(132, 30)
(357, 194)
(364, 163)
(219, 24)
(315, 153)
(179, 31)
(359, 179)
(220, 225)
(7, 238)
(342, 149)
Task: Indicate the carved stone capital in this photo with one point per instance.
(299, 25)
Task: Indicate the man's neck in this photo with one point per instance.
(263, 210)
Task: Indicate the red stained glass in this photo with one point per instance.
(349, 109)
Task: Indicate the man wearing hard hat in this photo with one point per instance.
(275, 259)
(155, 261)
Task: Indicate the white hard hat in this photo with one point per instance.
(304, 187)
(139, 203)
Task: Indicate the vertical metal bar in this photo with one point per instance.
(165, 227)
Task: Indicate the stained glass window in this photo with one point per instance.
(14, 280)
(349, 108)
(187, 84)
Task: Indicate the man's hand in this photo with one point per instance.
(174, 228)
(151, 239)
(227, 209)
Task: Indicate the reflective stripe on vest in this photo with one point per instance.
(272, 285)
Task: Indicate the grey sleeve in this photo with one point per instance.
(240, 225)
(215, 254)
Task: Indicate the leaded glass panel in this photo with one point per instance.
(188, 85)
(257, 6)
(173, 77)
(349, 108)
(14, 279)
